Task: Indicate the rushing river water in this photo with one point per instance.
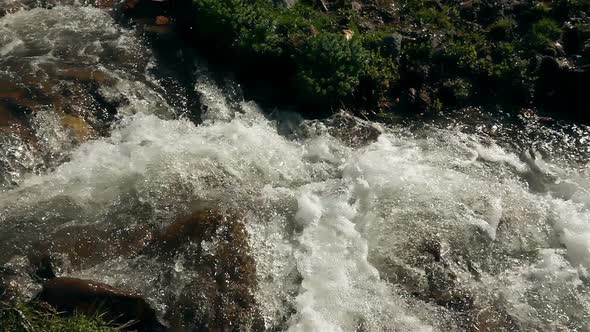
(326, 225)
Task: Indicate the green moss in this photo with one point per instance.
(35, 318)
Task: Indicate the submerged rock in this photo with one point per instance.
(217, 294)
(204, 264)
(80, 128)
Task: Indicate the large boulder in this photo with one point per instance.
(205, 273)
(217, 294)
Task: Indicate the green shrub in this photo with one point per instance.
(458, 89)
(501, 29)
(417, 50)
(566, 9)
(218, 18)
(435, 17)
(465, 50)
(543, 33)
(330, 67)
(445, 47)
(247, 26)
(257, 33)
(430, 14)
(381, 73)
(507, 62)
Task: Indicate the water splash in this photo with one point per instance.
(385, 229)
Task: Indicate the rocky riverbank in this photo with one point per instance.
(389, 57)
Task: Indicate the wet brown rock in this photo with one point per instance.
(12, 94)
(45, 85)
(198, 226)
(16, 96)
(86, 296)
(30, 104)
(86, 246)
(82, 131)
(69, 91)
(220, 295)
(105, 3)
(203, 258)
(85, 74)
(130, 4)
(10, 124)
(10, 90)
(352, 130)
(162, 20)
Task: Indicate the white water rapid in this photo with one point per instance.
(352, 225)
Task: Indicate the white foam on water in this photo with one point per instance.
(359, 217)
(442, 231)
(62, 55)
(341, 290)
